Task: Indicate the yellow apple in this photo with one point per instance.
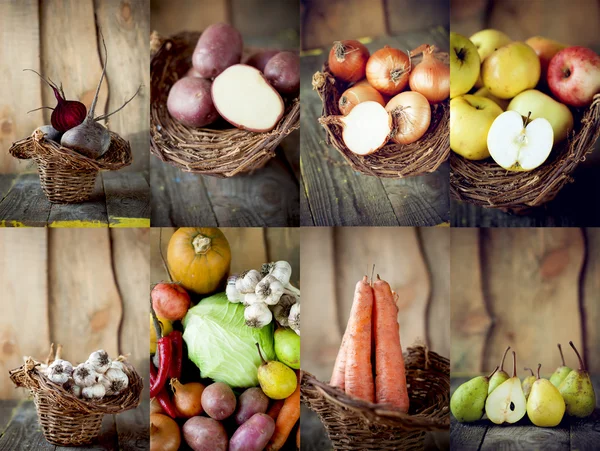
(542, 105)
(484, 92)
(487, 42)
(470, 120)
(510, 70)
(545, 49)
(464, 64)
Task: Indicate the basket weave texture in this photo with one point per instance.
(221, 150)
(67, 176)
(65, 419)
(393, 160)
(487, 184)
(358, 425)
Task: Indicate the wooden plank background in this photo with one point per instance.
(527, 288)
(84, 288)
(60, 39)
(415, 263)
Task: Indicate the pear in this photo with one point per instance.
(500, 376)
(276, 380)
(561, 372)
(507, 404)
(468, 399)
(527, 383)
(545, 405)
(578, 391)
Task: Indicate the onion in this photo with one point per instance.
(155, 407)
(187, 398)
(348, 60)
(431, 77)
(164, 433)
(360, 92)
(388, 70)
(411, 115)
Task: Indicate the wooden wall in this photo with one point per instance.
(59, 38)
(83, 288)
(414, 261)
(527, 288)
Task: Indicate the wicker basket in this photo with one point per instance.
(65, 419)
(220, 150)
(67, 176)
(359, 425)
(393, 160)
(486, 184)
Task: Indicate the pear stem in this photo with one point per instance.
(538, 371)
(562, 357)
(503, 357)
(581, 365)
(492, 373)
(525, 369)
(260, 354)
(514, 364)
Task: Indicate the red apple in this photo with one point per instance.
(545, 49)
(574, 76)
(170, 301)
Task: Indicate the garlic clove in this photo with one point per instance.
(257, 315)
(233, 294)
(269, 290)
(247, 281)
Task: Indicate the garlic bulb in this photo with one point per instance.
(114, 381)
(269, 290)
(294, 318)
(117, 364)
(251, 298)
(73, 388)
(281, 270)
(59, 371)
(233, 294)
(247, 281)
(257, 315)
(84, 375)
(95, 391)
(99, 360)
(281, 311)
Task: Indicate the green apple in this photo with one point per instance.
(464, 64)
(470, 120)
(287, 347)
(541, 105)
(510, 70)
(485, 92)
(487, 42)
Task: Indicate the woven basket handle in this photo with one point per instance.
(23, 149)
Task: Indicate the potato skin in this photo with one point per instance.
(254, 434)
(190, 102)
(260, 59)
(283, 72)
(252, 401)
(218, 401)
(205, 434)
(219, 47)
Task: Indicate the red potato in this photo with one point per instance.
(205, 434)
(283, 72)
(254, 434)
(192, 73)
(219, 47)
(190, 102)
(260, 59)
(218, 401)
(170, 301)
(245, 99)
(252, 401)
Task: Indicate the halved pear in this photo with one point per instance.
(517, 145)
(507, 404)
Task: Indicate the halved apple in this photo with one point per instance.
(517, 144)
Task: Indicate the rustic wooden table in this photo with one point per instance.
(120, 199)
(571, 434)
(333, 194)
(19, 429)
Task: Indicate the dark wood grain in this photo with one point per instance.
(585, 433)
(25, 204)
(6, 411)
(6, 183)
(87, 214)
(337, 195)
(23, 431)
(133, 428)
(127, 199)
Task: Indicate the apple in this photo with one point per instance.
(517, 145)
(510, 70)
(574, 76)
(485, 92)
(464, 64)
(488, 41)
(170, 301)
(545, 49)
(470, 120)
(541, 105)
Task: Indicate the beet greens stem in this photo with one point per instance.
(93, 107)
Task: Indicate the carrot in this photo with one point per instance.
(358, 380)
(275, 408)
(339, 368)
(286, 420)
(390, 376)
(298, 437)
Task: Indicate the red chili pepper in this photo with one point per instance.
(152, 373)
(177, 358)
(166, 403)
(164, 348)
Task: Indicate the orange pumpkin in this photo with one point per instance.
(199, 258)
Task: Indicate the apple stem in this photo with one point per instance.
(562, 357)
(581, 365)
(492, 373)
(525, 369)
(528, 119)
(260, 354)
(514, 364)
(538, 371)
(503, 357)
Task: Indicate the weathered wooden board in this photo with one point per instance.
(24, 428)
(127, 199)
(25, 204)
(87, 214)
(170, 17)
(590, 301)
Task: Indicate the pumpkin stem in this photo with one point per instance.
(201, 244)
